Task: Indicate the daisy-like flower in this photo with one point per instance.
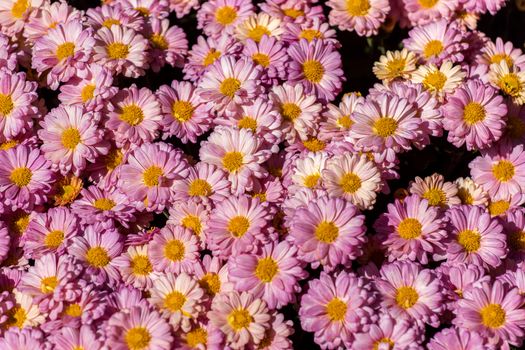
(48, 17)
(213, 276)
(270, 55)
(337, 120)
(494, 53)
(27, 338)
(191, 215)
(258, 25)
(337, 306)
(308, 170)
(174, 249)
(204, 181)
(316, 65)
(149, 174)
(97, 248)
(5, 241)
(238, 152)
(135, 267)
(106, 169)
(70, 338)
(291, 11)
(389, 332)
(50, 232)
(328, 231)
(510, 81)
(310, 30)
(460, 279)
(71, 138)
(272, 275)
(63, 52)
(15, 13)
(148, 8)
(501, 171)
(179, 298)
(363, 16)
(410, 292)
(277, 336)
(186, 116)
(385, 122)
(202, 335)
(241, 317)
(121, 50)
(470, 192)
(413, 229)
(25, 178)
(222, 16)
(457, 338)
(434, 189)
(235, 225)
(135, 117)
(24, 313)
(354, 178)
(16, 104)
(299, 111)
(183, 7)
(493, 310)
(114, 15)
(439, 81)
(474, 115)
(395, 65)
(8, 57)
(167, 44)
(475, 237)
(138, 328)
(230, 83)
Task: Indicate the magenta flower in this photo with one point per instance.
(364, 16)
(205, 182)
(167, 44)
(70, 338)
(270, 55)
(114, 15)
(222, 16)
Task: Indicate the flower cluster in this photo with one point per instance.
(251, 197)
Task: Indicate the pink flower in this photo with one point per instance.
(434, 189)
(428, 11)
(47, 17)
(389, 332)
(135, 267)
(70, 338)
(364, 16)
(167, 44)
(337, 120)
(222, 16)
(15, 13)
(114, 15)
(204, 182)
(27, 338)
(270, 55)
(457, 338)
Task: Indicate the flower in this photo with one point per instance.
(258, 25)
(395, 65)
(389, 332)
(270, 55)
(439, 81)
(222, 16)
(451, 338)
(434, 189)
(70, 338)
(470, 192)
(363, 16)
(114, 15)
(498, 51)
(191, 215)
(307, 171)
(15, 13)
(509, 80)
(29, 338)
(167, 44)
(135, 267)
(205, 182)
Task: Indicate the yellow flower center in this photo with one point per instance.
(257, 32)
(8, 145)
(510, 84)
(266, 269)
(158, 42)
(239, 319)
(357, 7)
(409, 228)
(406, 297)
(248, 123)
(473, 113)
(261, 196)
(517, 240)
(314, 145)
(118, 51)
(469, 240)
(174, 250)
(132, 114)
(152, 176)
(19, 8)
(350, 183)
(229, 87)
(435, 196)
(290, 111)
(87, 92)
(174, 301)
(193, 223)
(65, 50)
(515, 127)
(384, 343)
(104, 204)
(70, 138)
(293, 13)
(434, 81)
(196, 337)
(433, 48)
(385, 127)
(48, 284)
(497, 58)
(225, 15)
(313, 71)
(427, 4)
(16, 317)
(54, 239)
(232, 161)
(311, 181)
(465, 196)
(396, 67)
(6, 105)
(137, 338)
(326, 232)
(261, 59)
(19, 223)
(113, 158)
(336, 309)
(199, 187)
(503, 171)
(74, 310)
(211, 283)
(141, 265)
(182, 111)
(310, 34)
(238, 226)
(110, 22)
(143, 11)
(497, 208)
(21, 177)
(97, 257)
(493, 316)
(345, 122)
(211, 57)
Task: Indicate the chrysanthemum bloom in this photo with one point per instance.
(106, 169)
(135, 117)
(24, 313)
(97, 248)
(270, 55)
(310, 30)
(5, 240)
(135, 267)
(354, 178)
(474, 115)
(71, 138)
(202, 335)
(389, 333)
(174, 249)
(337, 306)
(222, 16)
(385, 122)
(470, 192)
(291, 11)
(178, 298)
(104, 205)
(47, 17)
(139, 328)
(434, 189)
(510, 81)
(50, 232)
(15, 13)
(235, 225)
(317, 66)
(411, 292)
(272, 275)
(25, 178)
(70, 338)
(121, 50)
(439, 81)
(114, 15)
(329, 231)
(426, 11)
(299, 111)
(502, 51)
(475, 237)
(92, 92)
(8, 57)
(241, 317)
(363, 16)
(27, 338)
(16, 104)
(230, 83)
(204, 181)
(167, 44)
(395, 65)
(191, 215)
(493, 310)
(238, 152)
(307, 171)
(459, 279)
(149, 174)
(457, 338)
(277, 336)
(258, 25)
(148, 8)
(186, 116)
(213, 276)
(337, 120)
(63, 52)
